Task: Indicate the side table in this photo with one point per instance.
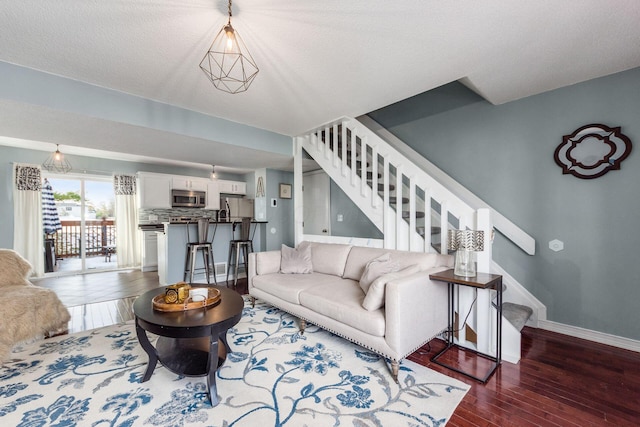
(480, 281)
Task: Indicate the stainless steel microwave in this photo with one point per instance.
(188, 199)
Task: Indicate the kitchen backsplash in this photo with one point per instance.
(164, 214)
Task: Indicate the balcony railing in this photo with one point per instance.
(100, 238)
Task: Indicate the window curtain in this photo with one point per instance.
(127, 235)
(28, 239)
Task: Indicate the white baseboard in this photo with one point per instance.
(587, 334)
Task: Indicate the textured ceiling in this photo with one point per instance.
(318, 60)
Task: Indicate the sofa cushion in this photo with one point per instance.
(374, 299)
(296, 261)
(343, 302)
(375, 268)
(329, 258)
(360, 256)
(267, 262)
(288, 286)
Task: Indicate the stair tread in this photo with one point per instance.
(516, 314)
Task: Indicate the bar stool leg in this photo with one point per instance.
(205, 258)
(213, 265)
(193, 264)
(235, 276)
(187, 259)
(229, 262)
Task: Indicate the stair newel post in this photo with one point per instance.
(485, 312)
(374, 176)
(343, 148)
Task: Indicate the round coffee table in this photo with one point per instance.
(191, 342)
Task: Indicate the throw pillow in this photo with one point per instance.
(296, 261)
(375, 295)
(376, 268)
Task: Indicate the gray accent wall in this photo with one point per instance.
(504, 154)
(354, 223)
(280, 228)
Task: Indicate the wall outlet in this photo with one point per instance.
(340, 218)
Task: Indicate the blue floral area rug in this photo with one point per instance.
(274, 377)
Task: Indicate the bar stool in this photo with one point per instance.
(204, 245)
(244, 244)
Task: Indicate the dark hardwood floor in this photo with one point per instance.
(560, 380)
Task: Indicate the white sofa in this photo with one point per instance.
(414, 311)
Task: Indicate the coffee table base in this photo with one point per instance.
(187, 356)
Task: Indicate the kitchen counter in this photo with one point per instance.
(172, 244)
(151, 227)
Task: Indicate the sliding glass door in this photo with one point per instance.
(85, 238)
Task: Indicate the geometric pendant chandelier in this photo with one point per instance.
(228, 63)
(57, 162)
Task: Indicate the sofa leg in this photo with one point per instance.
(395, 365)
(253, 302)
(303, 325)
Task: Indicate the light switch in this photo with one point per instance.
(274, 203)
(340, 218)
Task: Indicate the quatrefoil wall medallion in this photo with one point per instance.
(592, 150)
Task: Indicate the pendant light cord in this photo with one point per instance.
(230, 1)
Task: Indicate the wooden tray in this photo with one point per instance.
(160, 305)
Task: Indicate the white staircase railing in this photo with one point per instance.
(412, 209)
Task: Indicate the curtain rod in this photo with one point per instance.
(74, 172)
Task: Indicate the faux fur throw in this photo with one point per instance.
(26, 311)
(14, 269)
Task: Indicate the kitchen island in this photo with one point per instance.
(172, 247)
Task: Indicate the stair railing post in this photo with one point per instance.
(428, 236)
(336, 140)
(363, 165)
(413, 245)
(354, 153)
(298, 203)
(388, 231)
(374, 176)
(344, 148)
(401, 238)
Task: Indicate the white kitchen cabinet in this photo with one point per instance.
(232, 187)
(213, 195)
(154, 190)
(188, 183)
(149, 259)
